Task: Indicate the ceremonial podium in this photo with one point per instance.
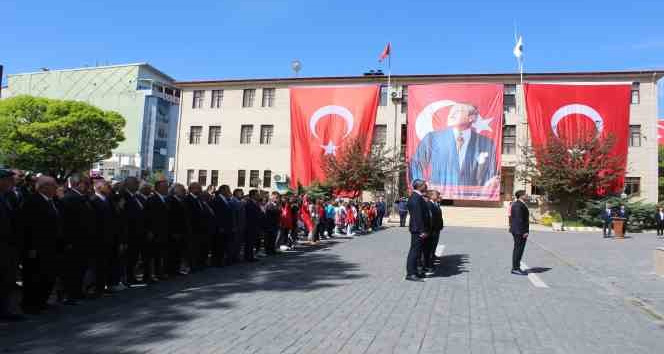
(618, 227)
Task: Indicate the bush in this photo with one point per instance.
(546, 220)
(641, 215)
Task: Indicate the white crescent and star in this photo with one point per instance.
(577, 108)
(341, 111)
(424, 120)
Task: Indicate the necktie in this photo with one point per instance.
(52, 204)
(459, 143)
(138, 201)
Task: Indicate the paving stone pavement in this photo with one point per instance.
(349, 296)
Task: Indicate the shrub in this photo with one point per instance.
(641, 215)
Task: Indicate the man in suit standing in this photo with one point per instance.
(623, 213)
(436, 226)
(659, 218)
(79, 226)
(179, 227)
(157, 226)
(403, 211)
(199, 227)
(8, 246)
(607, 218)
(254, 219)
(136, 233)
(419, 227)
(520, 228)
(223, 212)
(237, 234)
(272, 218)
(41, 219)
(105, 236)
(381, 209)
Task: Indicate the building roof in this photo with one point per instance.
(657, 74)
(150, 67)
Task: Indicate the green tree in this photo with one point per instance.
(354, 170)
(571, 173)
(54, 136)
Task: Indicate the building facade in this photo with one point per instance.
(237, 132)
(143, 95)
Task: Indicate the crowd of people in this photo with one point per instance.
(87, 238)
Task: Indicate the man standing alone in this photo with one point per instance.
(519, 227)
(419, 227)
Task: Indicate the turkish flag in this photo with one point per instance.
(660, 132)
(454, 138)
(573, 112)
(323, 119)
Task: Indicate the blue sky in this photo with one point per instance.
(204, 39)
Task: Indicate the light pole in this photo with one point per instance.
(296, 66)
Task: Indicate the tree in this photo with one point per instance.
(353, 170)
(570, 173)
(56, 137)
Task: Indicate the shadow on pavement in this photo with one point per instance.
(142, 317)
(451, 265)
(538, 270)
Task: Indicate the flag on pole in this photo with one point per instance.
(386, 52)
(518, 48)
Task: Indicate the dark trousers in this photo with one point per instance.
(193, 254)
(402, 218)
(379, 219)
(176, 249)
(607, 228)
(249, 246)
(415, 252)
(218, 247)
(286, 237)
(103, 264)
(519, 247)
(660, 228)
(38, 281)
(75, 264)
(330, 227)
(429, 248)
(135, 250)
(8, 268)
(271, 241)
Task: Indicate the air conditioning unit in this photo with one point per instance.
(277, 178)
(397, 94)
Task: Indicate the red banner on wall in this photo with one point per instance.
(454, 138)
(323, 119)
(571, 112)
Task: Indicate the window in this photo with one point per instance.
(635, 135)
(404, 99)
(199, 96)
(124, 173)
(383, 96)
(633, 186)
(241, 178)
(404, 140)
(190, 176)
(248, 97)
(217, 98)
(535, 190)
(246, 131)
(214, 177)
(509, 139)
(195, 135)
(267, 178)
(214, 135)
(509, 98)
(379, 135)
(253, 178)
(268, 97)
(202, 177)
(636, 96)
(266, 134)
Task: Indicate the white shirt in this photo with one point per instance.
(661, 215)
(466, 138)
(163, 200)
(101, 196)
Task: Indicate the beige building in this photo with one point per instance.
(237, 132)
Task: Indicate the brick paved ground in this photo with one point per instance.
(348, 296)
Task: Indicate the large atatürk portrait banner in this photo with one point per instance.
(454, 138)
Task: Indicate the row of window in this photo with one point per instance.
(246, 133)
(248, 98)
(249, 95)
(254, 178)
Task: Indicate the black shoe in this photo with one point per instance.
(518, 272)
(421, 275)
(10, 317)
(70, 302)
(413, 278)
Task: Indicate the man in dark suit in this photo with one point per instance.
(8, 246)
(402, 205)
(607, 219)
(136, 233)
(198, 240)
(237, 235)
(659, 218)
(223, 212)
(431, 243)
(520, 228)
(179, 227)
(157, 226)
(254, 219)
(419, 227)
(381, 209)
(41, 219)
(79, 226)
(623, 213)
(271, 226)
(105, 236)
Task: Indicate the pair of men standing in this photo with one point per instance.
(426, 222)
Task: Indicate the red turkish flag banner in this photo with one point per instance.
(454, 138)
(660, 132)
(323, 119)
(571, 112)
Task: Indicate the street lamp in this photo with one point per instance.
(296, 66)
